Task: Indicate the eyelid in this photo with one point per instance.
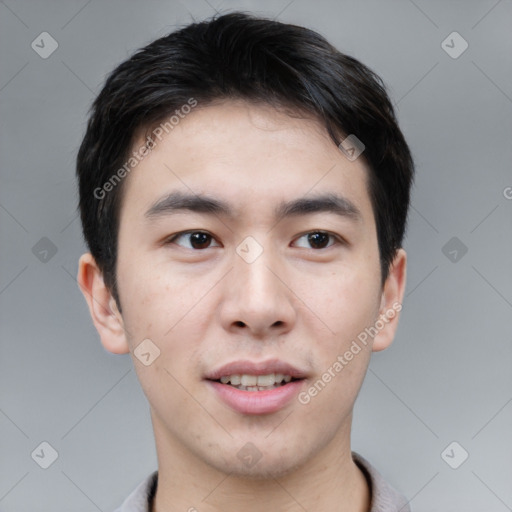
(337, 238)
(171, 239)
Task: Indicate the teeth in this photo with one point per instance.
(255, 388)
(266, 380)
(255, 382)
(249, 380)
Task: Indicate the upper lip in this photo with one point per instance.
(245, 367)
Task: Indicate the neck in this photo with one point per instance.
(330, 481)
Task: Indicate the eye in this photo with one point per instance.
(316, 240)
(193, 240)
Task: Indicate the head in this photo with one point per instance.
(228, 225)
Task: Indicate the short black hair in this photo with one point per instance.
(240, 56)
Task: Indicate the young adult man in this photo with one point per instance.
(244, 190)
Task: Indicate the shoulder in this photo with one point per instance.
(139, 499)
(384, 497)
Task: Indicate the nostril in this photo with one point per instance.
(239, 323)
(278, 323)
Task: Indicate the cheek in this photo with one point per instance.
(157, 307)
(356, 304)
(347, 306)
(167, 307)
(342, 358)
(343, 302)
(145, 289)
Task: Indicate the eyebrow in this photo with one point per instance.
(178, 201)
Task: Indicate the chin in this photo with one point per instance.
(267, 467)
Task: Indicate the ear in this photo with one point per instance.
(103, 308)
(391, 302)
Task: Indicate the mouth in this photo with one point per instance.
(246, 382)
(256, 388)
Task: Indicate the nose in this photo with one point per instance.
(257, 300)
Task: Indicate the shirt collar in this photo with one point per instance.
(384, 498)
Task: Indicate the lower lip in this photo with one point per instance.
(257, 402)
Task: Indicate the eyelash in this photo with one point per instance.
(336, 238)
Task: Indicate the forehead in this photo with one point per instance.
(248, 154)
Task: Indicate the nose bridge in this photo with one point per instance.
(257, 299)
(256, 278)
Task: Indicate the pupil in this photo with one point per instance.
(318, 240)
(200, 240)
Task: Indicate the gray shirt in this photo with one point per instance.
(384, 497)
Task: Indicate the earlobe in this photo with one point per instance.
(102, 306)
(391, 302)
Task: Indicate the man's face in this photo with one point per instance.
(278, 283)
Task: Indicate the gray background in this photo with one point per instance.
(448, 375)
